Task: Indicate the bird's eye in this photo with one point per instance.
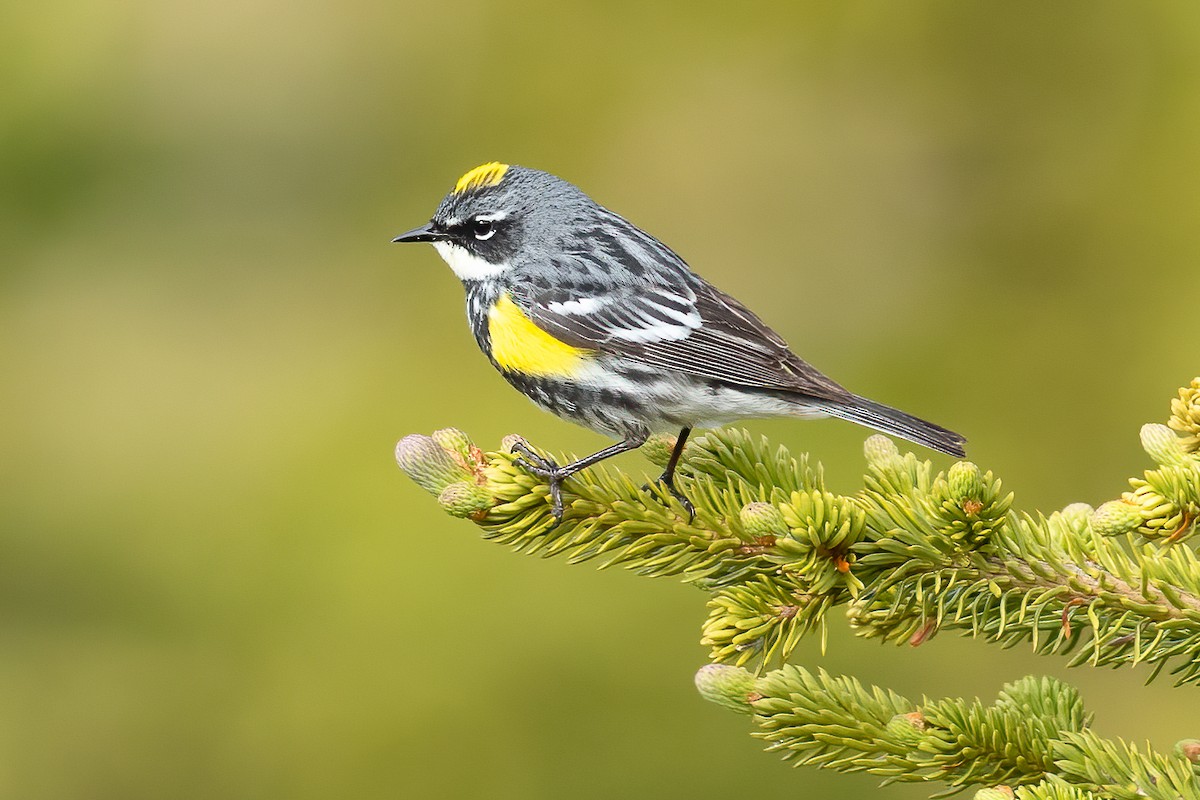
(483, 229)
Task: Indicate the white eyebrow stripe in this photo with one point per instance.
(494, 216)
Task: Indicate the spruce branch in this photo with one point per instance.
(1034, 741)
(914, 553)
(835, 722)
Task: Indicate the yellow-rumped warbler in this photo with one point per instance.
(600, 323)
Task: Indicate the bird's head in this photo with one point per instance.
(498, 215)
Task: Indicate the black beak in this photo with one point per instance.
(425, 233)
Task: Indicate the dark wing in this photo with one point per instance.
(692, 328)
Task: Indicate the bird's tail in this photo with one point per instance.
(895, 422)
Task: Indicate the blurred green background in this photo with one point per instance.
(215, 583)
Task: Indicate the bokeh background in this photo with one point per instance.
(215, 583)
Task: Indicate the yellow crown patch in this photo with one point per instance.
(488, 174)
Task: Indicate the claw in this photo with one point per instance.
(543, 467)
(669, 485)
(534, 462)
(534, 469)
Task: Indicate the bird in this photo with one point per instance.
(602, 324)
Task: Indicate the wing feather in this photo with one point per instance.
(693, 328)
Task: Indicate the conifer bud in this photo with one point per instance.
(455, 441)
(1189, 749)
(465, 499)
(995, 793)
(1080, 512)
(731, 687)
(1077, 515)
(1116, 517)
(658, 449)
(966, 482)
(763, 519)
(1162, 445)
(880, 451)
(428, 463)
(509, 441)
(908, 729)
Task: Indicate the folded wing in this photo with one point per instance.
(692, 328)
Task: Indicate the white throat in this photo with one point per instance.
(465, 264)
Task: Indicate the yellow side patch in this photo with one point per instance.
(484, 175)
(518, 345)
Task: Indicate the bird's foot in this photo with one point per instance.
(546, 468)
(668, 483)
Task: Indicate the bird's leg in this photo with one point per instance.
(554, 474)
(667, 478)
